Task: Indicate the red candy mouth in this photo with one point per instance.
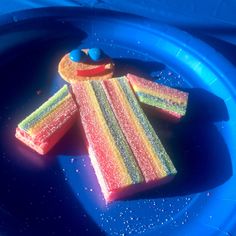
(93, 71)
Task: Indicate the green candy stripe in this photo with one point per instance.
(150, 133)
(119, 139)
(161, 103)
(44, 109)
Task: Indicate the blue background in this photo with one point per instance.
(213, 17)
(29, 192)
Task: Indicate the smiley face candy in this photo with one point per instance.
(85, 64)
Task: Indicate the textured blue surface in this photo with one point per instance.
(198, 12)
(60, 193)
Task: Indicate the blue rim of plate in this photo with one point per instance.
(191, 55)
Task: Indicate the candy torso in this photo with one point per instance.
(125, 152)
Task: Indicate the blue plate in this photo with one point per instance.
(59, 193)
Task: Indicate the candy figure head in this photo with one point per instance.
(85, 64)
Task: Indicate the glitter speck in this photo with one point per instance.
(38, 92)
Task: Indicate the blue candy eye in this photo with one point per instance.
(95, 54)
(77, 55)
